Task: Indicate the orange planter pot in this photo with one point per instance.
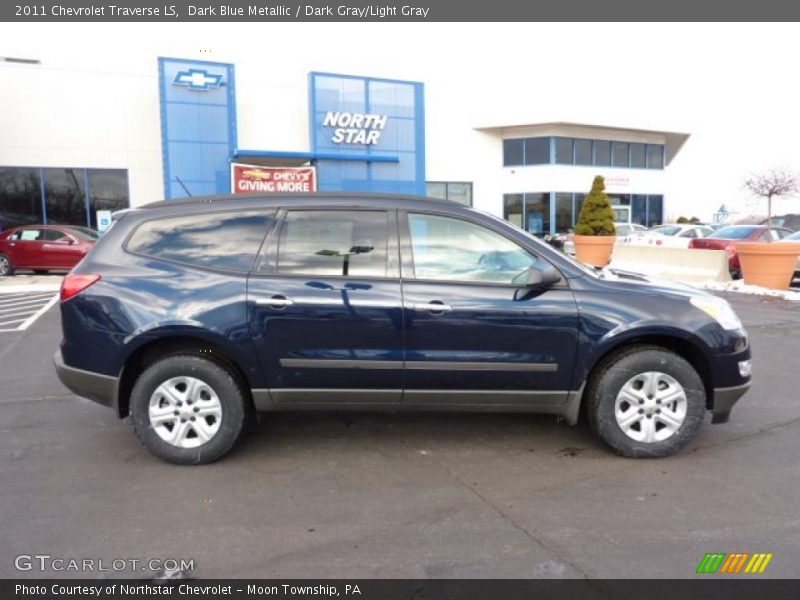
(594, 250)
(768, 264)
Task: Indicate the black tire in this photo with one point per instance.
(226, 389)
(6, 266)
(613, 373)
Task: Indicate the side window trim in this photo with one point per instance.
(266, 265)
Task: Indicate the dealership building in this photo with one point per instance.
(83, 139)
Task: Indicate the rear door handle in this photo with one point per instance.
(275, 302)
(433, 306)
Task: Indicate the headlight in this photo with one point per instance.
(719, 310)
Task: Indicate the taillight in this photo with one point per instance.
(75, 284)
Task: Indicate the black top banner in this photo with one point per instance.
(409, 10)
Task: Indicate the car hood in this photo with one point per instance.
(620, 280)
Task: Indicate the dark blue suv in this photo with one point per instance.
(191, 315)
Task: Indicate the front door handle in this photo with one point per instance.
(434, 306)
(275, 302)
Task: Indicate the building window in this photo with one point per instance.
(529, 211)
(655, 210)
(30, 195)
(557, 212)
(65, 196)
(637, 156)
(20, 196)
(513, 153)
(457, 191)
(583, 152)
(537, 213)
(108, 190)
(564, 209)
(602, 153)
(655, 156)
(565, 154)
(639, 209)
(537, 151)
(619, 154)
(512, 208)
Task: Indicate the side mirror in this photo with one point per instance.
(540, 274)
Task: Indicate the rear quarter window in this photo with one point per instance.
(222, 241)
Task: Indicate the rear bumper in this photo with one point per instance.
(724, 399)
(94, 386)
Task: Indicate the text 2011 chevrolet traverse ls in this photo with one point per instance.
(189, 315)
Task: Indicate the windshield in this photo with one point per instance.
(794, 236)
(732, 233)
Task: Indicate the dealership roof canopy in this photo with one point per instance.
(673, 141)
(281, 158)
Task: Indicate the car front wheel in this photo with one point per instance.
(646, 402)
(187, 409)
(6, 266)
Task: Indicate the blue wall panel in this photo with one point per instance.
(198, 125)
(402, 102)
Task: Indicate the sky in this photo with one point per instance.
(733, 87)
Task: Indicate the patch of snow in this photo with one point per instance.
(740, 287)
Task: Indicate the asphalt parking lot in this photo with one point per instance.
(382, 495)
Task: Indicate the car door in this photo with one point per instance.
(325, 307)
(58, 250)
(472, 334)
(25, 247)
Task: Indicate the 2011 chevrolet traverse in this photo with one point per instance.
(190, 314)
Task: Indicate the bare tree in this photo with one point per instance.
(773, 183)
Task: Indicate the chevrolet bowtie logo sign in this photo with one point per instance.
(198, 79)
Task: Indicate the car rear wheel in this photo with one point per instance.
(646, 402)
(6, 266)
(187, 409)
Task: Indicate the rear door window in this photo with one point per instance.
(223, 241)
(52, 235)
(344, 243)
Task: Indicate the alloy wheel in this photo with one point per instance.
(185, 412)
(651, 407)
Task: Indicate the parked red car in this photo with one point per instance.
(44, 248)
(726, 238)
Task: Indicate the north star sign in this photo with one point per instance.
(355, 128)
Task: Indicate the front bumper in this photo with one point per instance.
(94, 386)
(724, 399)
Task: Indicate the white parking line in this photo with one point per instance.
(19, 310)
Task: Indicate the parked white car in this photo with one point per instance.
(623, 229)
(671, 236)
